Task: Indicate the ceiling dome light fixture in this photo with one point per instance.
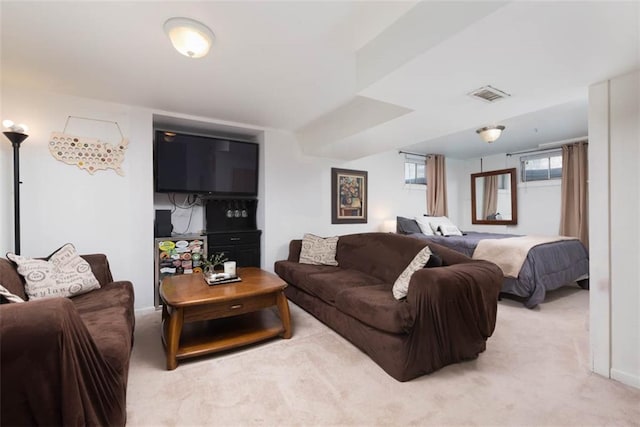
(490, 133)
(191, 38)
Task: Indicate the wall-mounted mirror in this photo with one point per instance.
(493, 197)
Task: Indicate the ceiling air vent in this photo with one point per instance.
(489, 94)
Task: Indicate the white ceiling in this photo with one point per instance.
(350, 78)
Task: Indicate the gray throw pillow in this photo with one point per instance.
(407, 225)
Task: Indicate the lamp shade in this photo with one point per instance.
(191, 38)
(490, 133)
(15, 137)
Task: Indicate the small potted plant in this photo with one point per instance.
(215, 260)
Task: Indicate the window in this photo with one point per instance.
(415, 171)
(503, 181)
(541, 167)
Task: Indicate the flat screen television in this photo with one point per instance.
(197, 164)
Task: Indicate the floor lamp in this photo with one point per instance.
(16, 135)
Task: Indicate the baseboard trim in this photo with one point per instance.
(625, 378)
(144, 310)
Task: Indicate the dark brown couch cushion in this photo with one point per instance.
(382, 255)
(376, 306)
(10, 279)
(294, 272)
(327, 285)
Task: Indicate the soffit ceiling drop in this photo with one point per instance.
(403, 70)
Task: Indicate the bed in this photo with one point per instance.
(546, 267)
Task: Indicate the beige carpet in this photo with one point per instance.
(533, 373)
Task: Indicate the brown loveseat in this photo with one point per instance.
(447, 316)
(65, 361)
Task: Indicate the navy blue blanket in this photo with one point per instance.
(547, 267)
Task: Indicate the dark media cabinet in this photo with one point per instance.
(231, 229)
(243, 247)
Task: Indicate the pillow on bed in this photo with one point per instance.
(401, 285)
(407, 225)
(425, 225)
(449, 230)
(437, 221)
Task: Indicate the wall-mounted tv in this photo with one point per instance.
(197, 164)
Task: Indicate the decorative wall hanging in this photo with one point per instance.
(90, 154)
(348, 196)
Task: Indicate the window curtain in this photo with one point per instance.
(490, 197)
(436, 185)
(574, 220)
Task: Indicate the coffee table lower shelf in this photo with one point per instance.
(210, 336)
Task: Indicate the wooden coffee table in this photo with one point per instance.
(200, 319)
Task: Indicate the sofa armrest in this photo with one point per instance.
(295, 246)
(52, 372)
(100, 267)
(461, 297)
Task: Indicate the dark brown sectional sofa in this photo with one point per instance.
(447, 316)
(65, 361)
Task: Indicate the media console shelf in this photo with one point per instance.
(231, 228)
(243, 246)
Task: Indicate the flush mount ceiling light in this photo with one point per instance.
(490, 133)
(190, 38)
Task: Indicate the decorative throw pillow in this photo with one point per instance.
(437, 221)
(407, 225)
(449, 230)
(434, 261)
(401, 285)
(425, 225)
(9, 296)
(63, 274)
(318, 251)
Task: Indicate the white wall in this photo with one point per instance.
(614, 209)
(6, 187)
(104, 212)
(538, 202)
(185, 220)
(298, 194)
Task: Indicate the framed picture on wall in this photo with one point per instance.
(349, 201)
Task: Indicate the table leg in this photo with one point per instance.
(285, 316)
(173, 337)
(165, 313)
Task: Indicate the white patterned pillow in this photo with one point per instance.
(449, 230)
(64, 274)
(425, 226)
(318, 251)
(438, 221)
(401, 285)
(9, 296)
